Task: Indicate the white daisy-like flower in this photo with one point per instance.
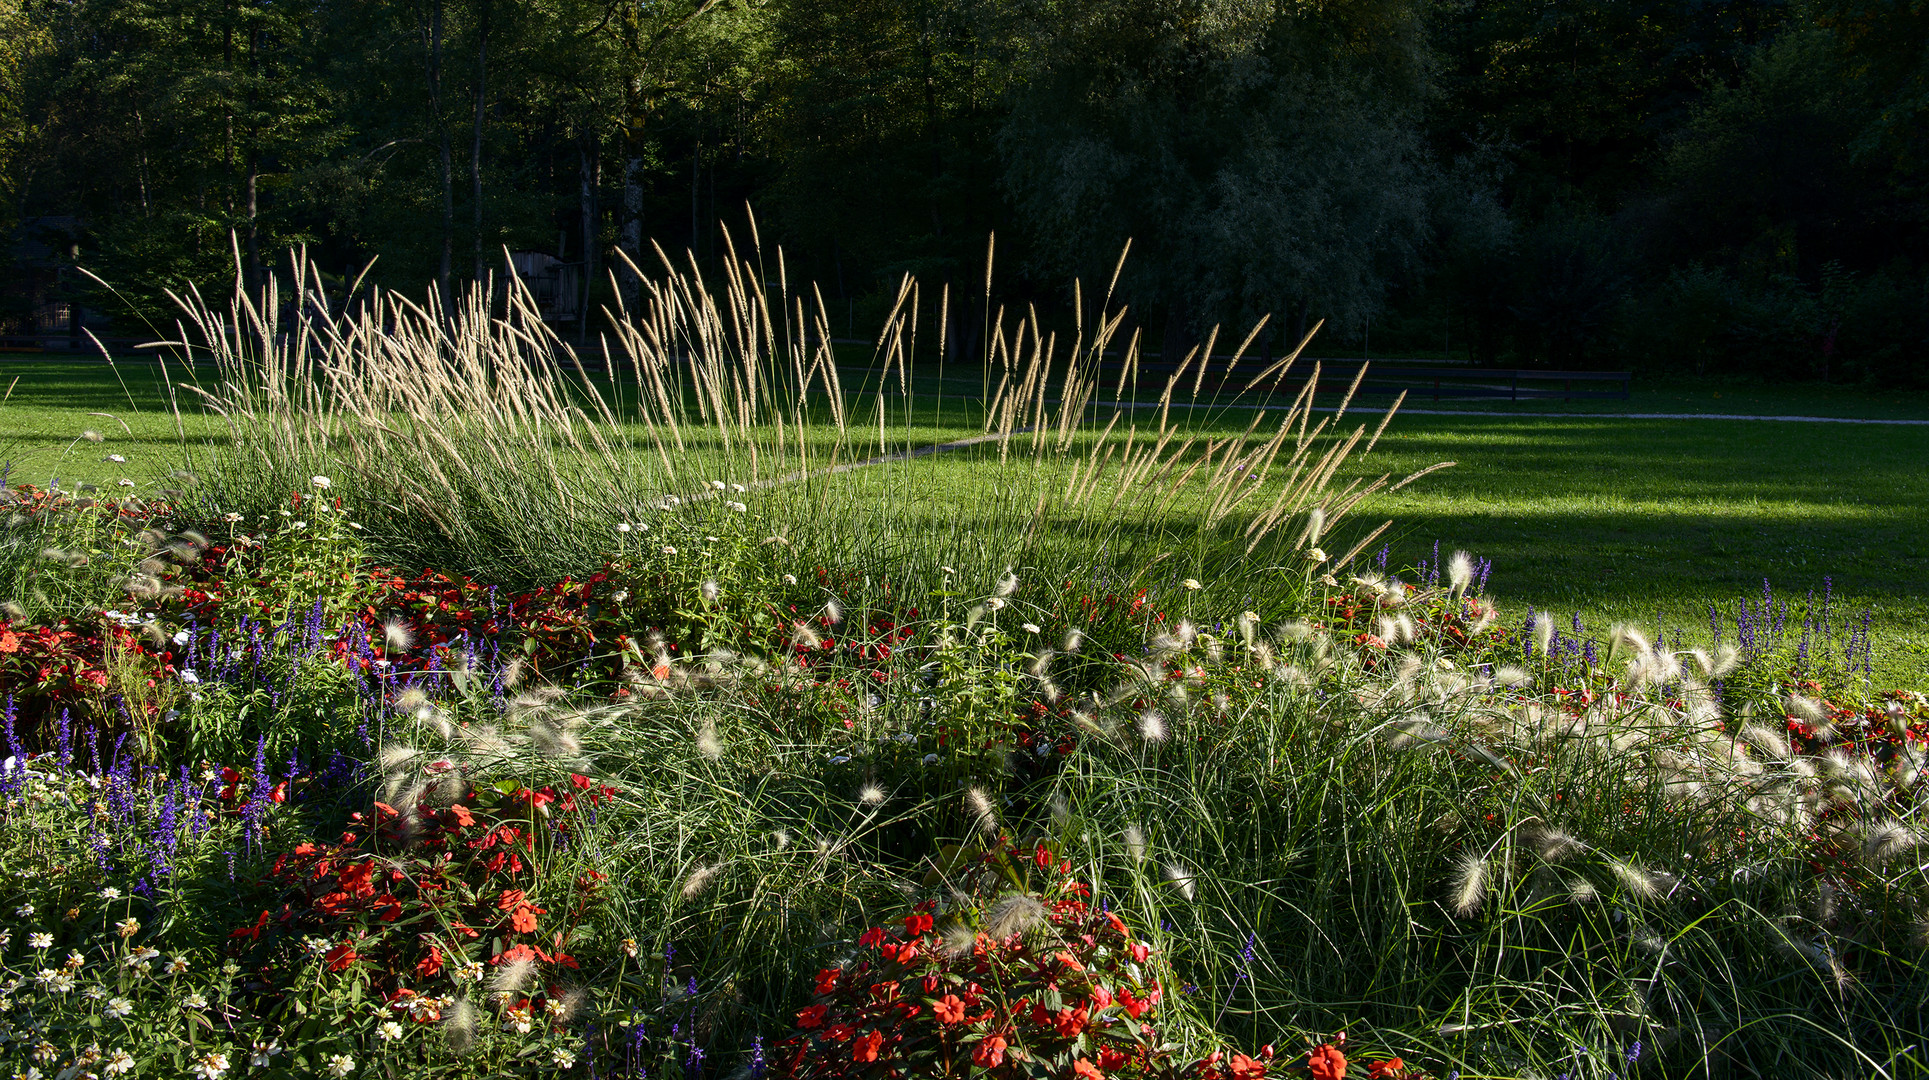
(118, 1063)
(668, 550)
(262, 1051)
(25, 911)
(470, 972)
(622, 526)
(117, 1008)
(194, 1001)
(117, 459)
(389, 1031)
(738, 507)
(299, 525)
(39, 940)
(1192, 584)
(177, 965)
(738, 488)
(210, 1066)
(230, 517)
(190, 676)
(321, 482)
(790, 579)
(563, 1056)
(340, 1065)
(124, 482)
(110, 893)
(718, 484)
(1029, 628)
(128, 927)
(58, 982)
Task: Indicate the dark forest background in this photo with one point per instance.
(1682, 185)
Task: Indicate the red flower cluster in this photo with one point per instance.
(404, 895)
(1063, 992)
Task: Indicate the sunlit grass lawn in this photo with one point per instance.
(1617, 519)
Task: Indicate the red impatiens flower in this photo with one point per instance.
(1327, 1063)
(1085, 1070)
(990, 1052)
(1391, 1067)
(917, 924)
(340, 956)
(949, 1009)
(866, 1046)
(431, 965)
(1245, 1068)
(812, 1016)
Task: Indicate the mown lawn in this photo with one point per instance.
(1617, 519)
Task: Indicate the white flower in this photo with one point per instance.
(128, 927)
(563, 1056)
(25, 911)
(930, 759)
(1192, 583)
(996, 603)
(1029, 628)
(93, 992)
(118, 1062)
(622, 526)
(737, 506)
(340, 1065)
(718, 484)
(790, 579)
(470, 972)
(190, 676)
(389, 1031)
(117, 459)
(39, 940)
(194, 1001)
(518, 1021)
(60, 982)
(668, 550)
(321, 482)
(117, 1007)
(299, 525)
(124, 482)
(1315, 556)
(177, 965)
(211, 1065)
(230, 517)
(262, 1051)
(110, 893)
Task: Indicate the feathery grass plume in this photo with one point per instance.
(1007, 584)
(802, 636)
(1247, 625)
(709, 590)
(1151, 725)
(1509, 675)
(1460, 572)
(551, 736)
(512, 977)
(707, 742)
(1543, 632)
(1553, 845)
(396, 635)
(1638, 882)
(1135, 842)
(1182, 879)
(1469, 884)
(394, 756)
(1582, 891)
(1770, 743)
(699, 880)
(833, 612)
(870, 794)
(1015, 914)
(1888, 839)
(958, 938)
(983, 814)
(1042, 663)
(459, 1026)
(1315, 524)
(1074, 638)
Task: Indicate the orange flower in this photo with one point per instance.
(1245, 1068)
(431, 964)
(1327, 1063)
(1391, 1067)
(1086, 1070)
(866, 1046)
(340, 956)
(950, 1009)
(990, 1052)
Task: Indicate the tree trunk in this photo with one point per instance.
(475, 143)
(632, 238)
(587, 175)
(442, 140)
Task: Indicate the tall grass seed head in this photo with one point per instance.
(978, 806)
(1152, 726)
(1016, 914)
(1469, 884)
(1460, 572)
(1182, 879)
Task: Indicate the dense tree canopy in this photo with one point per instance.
(1708, 183)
